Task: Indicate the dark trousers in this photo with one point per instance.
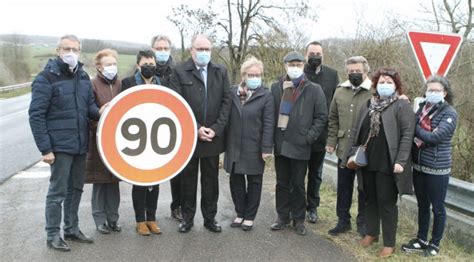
(209, 188)
(65, 190)
(381, 205)
(175, 192)
(345, 187)
(105, 202)
(145, 201)
(315, 175)
(290, 188)
(246, 191)
(430, 190)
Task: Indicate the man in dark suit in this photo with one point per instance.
(205, 86)
(328, 79)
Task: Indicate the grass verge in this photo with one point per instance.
(15, 92)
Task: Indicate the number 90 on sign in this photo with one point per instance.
(147, 135)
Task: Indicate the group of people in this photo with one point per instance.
(304, 115)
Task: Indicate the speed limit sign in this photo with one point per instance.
(147, 135)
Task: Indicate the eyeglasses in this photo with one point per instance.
(390, 73)
(161, 48)
(69, 49)
(253, 75)
(201, 49)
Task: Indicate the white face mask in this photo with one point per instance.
(294, 72)
(71, 59)
(110, 72)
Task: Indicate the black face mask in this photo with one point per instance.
(147, 71)
(355, 79)
(314, 61)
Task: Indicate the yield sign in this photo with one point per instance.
(434, 52)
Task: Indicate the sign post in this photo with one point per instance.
(147, 135)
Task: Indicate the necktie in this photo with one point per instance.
(204, 104)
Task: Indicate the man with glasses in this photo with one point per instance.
(301, 117)
(205, 86)
(61, 104)
(345, 105)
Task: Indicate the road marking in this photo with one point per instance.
(13, 114)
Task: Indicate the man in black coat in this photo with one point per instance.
(301, 117)
(205, 86)
(161, 45)
(328, 79)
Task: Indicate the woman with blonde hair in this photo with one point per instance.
(249, 141)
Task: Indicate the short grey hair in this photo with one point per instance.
(250, 62)
(157, 38)
(446, 86)
(358, 60)
(70, 37)
(199, 36)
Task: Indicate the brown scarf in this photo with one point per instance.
(377, 105)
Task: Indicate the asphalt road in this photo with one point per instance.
(17, 147)
(23, 237)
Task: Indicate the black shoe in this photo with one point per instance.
(415, 245)
(236, 224)
(341, 227)
(185, 227)
(213, 226)
(300, 229)
(312, 216)
(247, 227)
(103, 229)
(361, 229)
(79, 237)
(114, 226)
(176, 214)
(279, 224)
(58, 243)
(431, 251)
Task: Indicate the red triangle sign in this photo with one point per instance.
(434, 52)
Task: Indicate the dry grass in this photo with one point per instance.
(450, 251)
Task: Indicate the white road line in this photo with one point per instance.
(13, 114)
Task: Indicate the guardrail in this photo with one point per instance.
(13, 87)
(460, 195)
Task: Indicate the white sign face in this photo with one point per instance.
(147, 135)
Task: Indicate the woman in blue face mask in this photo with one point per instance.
(385, 126)
(432, 158)
(249, 137)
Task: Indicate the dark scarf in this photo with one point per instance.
(288, 99)
(377, 105)
(244, 94)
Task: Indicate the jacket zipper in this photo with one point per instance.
(76, 91)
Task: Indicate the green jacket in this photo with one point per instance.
(343, 111)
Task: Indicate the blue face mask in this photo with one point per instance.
(162, 56)
(253, 83)
(434, 97)
(385, 90)
(203, 58)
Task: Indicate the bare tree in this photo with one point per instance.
(190, 22)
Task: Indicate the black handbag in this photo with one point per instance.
(358, 157)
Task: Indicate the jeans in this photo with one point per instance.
(430, 190)
(65, 190)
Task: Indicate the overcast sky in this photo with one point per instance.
(138, 20)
